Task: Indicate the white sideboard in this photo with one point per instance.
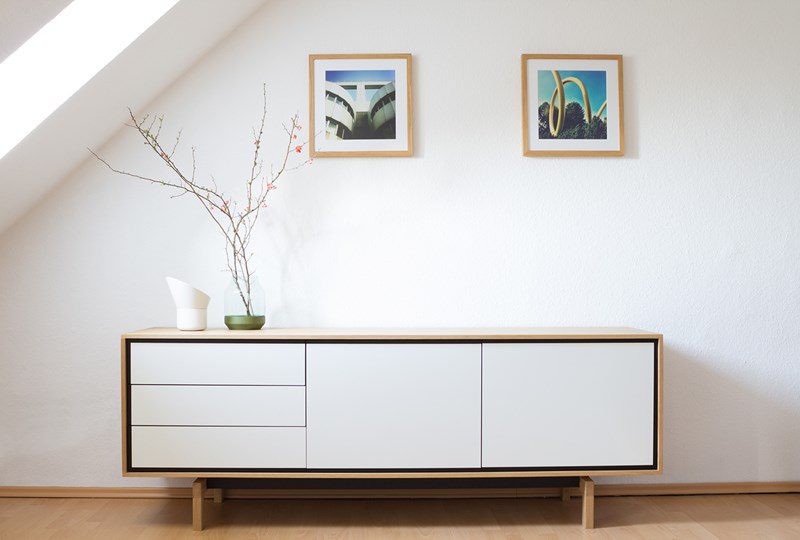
(476, 403)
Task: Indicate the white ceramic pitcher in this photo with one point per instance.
(191, 303)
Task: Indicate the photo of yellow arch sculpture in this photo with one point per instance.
(572, 105)
(561, 95)
(568, 100)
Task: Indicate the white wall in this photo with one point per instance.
(693, 233)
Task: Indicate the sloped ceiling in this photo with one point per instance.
(23, 18)
(94, 113)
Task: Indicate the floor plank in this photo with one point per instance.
(691, 517)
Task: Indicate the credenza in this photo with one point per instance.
(389, 406)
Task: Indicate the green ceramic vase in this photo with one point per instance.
(245, 322)
(238, 315)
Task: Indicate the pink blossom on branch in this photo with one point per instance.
(236, 226)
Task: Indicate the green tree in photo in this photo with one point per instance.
(544, 123)
(574, 125)
(575, 132)
(574, 118)
(596, 129)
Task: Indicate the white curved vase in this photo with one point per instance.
(191, 304)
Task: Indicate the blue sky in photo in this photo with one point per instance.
(358, 75)
(594, 81)
(339, 76)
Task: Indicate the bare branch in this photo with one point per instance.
(234, 220)
(177, 141)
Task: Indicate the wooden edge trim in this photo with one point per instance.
(399, 474)
(525, 143)
(660, 406)
(601, 490)
(574, 153)
(312, 153)
(124, 403)
(359, 153)
(572, 56)
(410, 107)
(370, 56)
(621, 106)
(313, 338)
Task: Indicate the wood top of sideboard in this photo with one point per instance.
(390, 334)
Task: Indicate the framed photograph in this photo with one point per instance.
(572, 105)
(360, 105)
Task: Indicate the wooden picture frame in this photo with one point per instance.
(345, 119)
(540, 137)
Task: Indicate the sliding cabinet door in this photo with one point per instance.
(569, 405)
(393, 406)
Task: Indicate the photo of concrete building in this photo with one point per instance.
(360, 104)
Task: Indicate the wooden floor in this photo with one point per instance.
(706, 516)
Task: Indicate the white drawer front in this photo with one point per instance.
(394, 405)
(218, 363)
(218, 447)
(568, 404)
(218, 405)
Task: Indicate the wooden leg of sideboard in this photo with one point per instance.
(198, 490)
(587, 492)
(565, 494)
(217, 492)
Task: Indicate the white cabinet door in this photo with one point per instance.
(393, 406)
(581, 405)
